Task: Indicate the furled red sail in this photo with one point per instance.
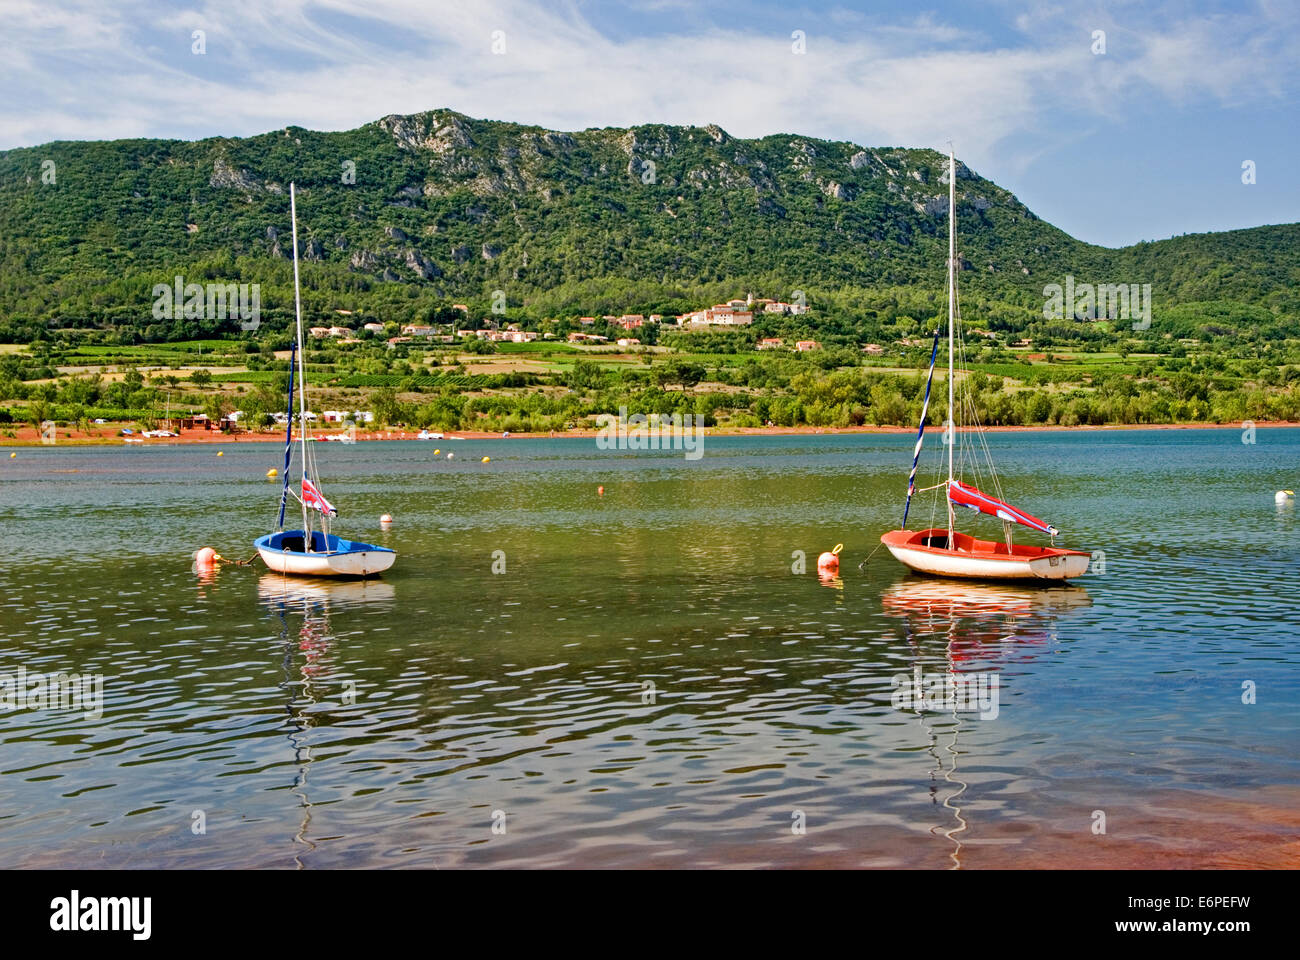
(314, 498)
(968, 496)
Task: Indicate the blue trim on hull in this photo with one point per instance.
(291, 541)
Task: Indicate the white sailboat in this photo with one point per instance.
(945, 551)
(308, 552)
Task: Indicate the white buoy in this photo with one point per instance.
(1282, 496)
(385, 520)
(451, 456)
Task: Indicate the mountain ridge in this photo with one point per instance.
(438, 206)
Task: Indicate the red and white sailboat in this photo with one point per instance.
(943, 551)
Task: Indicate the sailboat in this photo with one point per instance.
(308, 552)
(944, 551)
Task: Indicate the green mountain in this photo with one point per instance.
(403, 216)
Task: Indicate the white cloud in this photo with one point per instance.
(81, 71)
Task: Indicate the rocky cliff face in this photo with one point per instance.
(474, 193)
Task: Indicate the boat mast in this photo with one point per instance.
(952, 306)
(302, 366)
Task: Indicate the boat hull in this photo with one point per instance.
(926, 551)
(331, 556)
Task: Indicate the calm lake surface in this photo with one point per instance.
(648, 683)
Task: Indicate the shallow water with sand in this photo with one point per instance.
(646, 683)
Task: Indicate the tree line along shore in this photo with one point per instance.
(551, 386)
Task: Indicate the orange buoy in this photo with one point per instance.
(206, 557)
(385, 520)
(600, 491)
(831, 559)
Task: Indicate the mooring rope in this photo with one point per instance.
(237, 563)
(863, 564)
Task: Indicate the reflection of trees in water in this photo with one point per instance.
(975, 622)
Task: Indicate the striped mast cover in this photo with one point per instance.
(288, 435)
(920, 433)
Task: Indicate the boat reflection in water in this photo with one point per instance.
(971, 616)
(304, 593)
(979, 625)
(303, 607)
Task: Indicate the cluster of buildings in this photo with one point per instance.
(628, 321)
(719, 315)
(776, 343)
(579, 337)
(327, 416)
(739, 312)
(511, 334)
(343, 334)
(733, 313)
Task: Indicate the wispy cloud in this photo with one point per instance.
(82, 69)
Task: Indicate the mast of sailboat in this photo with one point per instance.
(302, 367)
(952, 306)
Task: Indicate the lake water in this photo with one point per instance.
(647, 683)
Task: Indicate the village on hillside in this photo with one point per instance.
(732, 314)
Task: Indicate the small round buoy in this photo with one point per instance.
(386, 519)
(600, 491)
(487, 459)
(436, 452)
(1283, 495)
(221, 453)
(450, 455)
(273, 472)
(831, 559)
(206, 556)
(12, 455)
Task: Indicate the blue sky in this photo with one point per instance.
(1142, 141)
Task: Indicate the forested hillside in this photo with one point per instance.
(405, 215)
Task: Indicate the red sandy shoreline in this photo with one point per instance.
(109, 435)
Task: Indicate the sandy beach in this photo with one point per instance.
(110, 434)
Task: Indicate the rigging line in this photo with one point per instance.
(288, 438)
(981, 439)
(988, 455)
(969, 456)
(937, 459)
